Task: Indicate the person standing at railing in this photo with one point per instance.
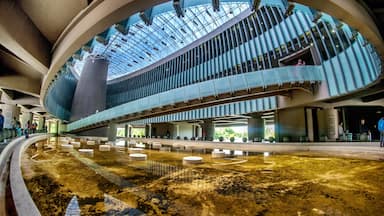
(341, 131)
(1, 125)
(26, 129)
(380, 127)
(299, 62)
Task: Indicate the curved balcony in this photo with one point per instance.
(235, 87)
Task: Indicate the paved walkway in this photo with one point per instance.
(364, 150)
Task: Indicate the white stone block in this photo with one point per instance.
(76, 144)
(138, 157)
(139, 145)
(66, 148)
(135, 150)
(88, 152)
(192, 160)
(156, 145)
(91, 142)
(218, 154)
(104, 148)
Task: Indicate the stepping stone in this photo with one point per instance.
(88, 152)
(104, 148)
(218, 154)
(76, 144)
(91, 142)
(66, 148)
(192, 160)
(135, 150)
(156, 145)
(138, 157)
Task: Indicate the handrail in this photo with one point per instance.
(4, 171)
(229, 84)
(21, 197)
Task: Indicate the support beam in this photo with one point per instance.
(216, 5)
(179, 7)
(21, 83)
(20, 101)
(255, 4)
(15, 64)
(20, 36)
(146, 16)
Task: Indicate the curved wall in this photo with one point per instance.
(59, 98)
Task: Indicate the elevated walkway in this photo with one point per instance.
(212, 92)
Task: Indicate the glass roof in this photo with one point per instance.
(145, 45)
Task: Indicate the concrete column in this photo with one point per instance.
(208, 130)
(130, 131)
(111, 132)
(9, 112)
(91, 90)
(310, 129)
(25, 117)
(40, 124)
(61, 127)
(56, 131)
(255, 128)
(49, 127)
(126, 128)
(331, 121)
(148, 130)
(177, 130)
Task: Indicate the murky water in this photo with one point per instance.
(243, 183)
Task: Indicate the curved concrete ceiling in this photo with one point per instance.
(51, 17)
(107, 13)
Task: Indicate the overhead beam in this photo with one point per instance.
(352, 13)
(21, 84)
(27, 100)
(216, 5)
(20, 36)
(146, 16)
(178, 5)
(8, 60)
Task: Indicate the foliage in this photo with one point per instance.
(138, 132)
(245, 139)
(228, 132)
(232, 139)
(120, 132)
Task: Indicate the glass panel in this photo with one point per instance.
(145, 45)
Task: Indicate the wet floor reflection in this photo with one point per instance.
(227, 182)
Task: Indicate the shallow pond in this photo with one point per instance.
(242, 183)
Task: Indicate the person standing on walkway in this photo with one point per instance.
(1, 124)
(380, 127)
(26, 129)
(341, 131)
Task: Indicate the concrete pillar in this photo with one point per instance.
(255, 128)
(208, 130)
(130, 131)
(41, 123)
(91, 90)
(61, 127)
(126, 128)
(9, 112)
(25, 117)
(148, 130)
(112, 131)
(49, 127)
(331, 120)
(177, 130)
